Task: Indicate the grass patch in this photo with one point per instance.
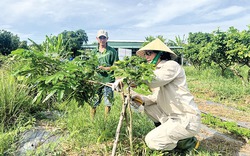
(231, 127)
(96, 137)
(210, 85)
(15, 102)
(86, 132)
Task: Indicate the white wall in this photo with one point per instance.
(124, 52)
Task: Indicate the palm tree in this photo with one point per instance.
(179, 43)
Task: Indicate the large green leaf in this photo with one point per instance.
(49, 95)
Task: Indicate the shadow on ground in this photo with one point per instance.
(214, 141)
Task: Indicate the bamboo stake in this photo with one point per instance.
(130, 128)
(123, 114)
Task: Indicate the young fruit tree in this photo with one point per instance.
(135, 73)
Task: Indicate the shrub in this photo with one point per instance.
(15, 102)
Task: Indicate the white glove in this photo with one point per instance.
(134, 104)
(138, 100)
(117, 84)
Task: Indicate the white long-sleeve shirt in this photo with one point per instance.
(170, 91)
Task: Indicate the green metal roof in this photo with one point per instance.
(119, 44)
(122, 44)
(126, 44)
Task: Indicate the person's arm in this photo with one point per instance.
(167, 73)
(104, 68)
(146, 100)
(151, 99)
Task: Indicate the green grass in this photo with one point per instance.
(210, 85)
(15, 105)
(100, 131)
(231, 127)
(15, 102)
(97, 135)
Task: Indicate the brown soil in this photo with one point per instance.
(223, 111)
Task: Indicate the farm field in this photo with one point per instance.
(219, 140)
(95, 137)
(219, 98)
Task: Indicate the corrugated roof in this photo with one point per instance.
(122, 44)
(125, 44)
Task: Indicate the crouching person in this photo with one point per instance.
(170, 106)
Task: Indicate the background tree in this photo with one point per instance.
(195, 43)
(215, 52)
(178, 43)
(8, 42)
(238, 51)
(73, 40)
(64, 44)
(151, 38)
(228, 50)
(52, 46)
(23, 45)
(244, 55)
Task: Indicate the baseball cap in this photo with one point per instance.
(102, 33)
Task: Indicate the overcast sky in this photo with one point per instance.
(123, 19)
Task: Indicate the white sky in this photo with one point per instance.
(123, 19)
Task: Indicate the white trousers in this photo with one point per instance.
(172, 129)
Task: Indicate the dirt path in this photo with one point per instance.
(223, 111)
(225, 144)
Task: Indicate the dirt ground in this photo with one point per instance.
(219, 141)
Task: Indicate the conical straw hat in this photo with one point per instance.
(156, 45)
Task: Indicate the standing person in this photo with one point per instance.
(107, 56)
(170, 106)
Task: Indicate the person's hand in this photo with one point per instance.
(137, 100)
(104, 68)
(101, 67)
